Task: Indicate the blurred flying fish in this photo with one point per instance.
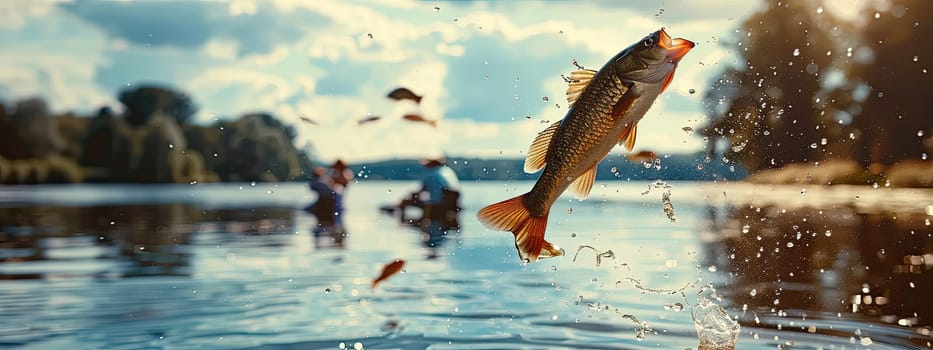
(606, 108)
(643, 156)
(419, 119)
(308, 120)
(404, 94)
(388, 270)
(369, 119)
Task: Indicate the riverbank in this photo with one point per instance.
(908, 173)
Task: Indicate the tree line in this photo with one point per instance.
(153, 141)
(811, 89)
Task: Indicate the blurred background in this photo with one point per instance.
(158, 162)
(166, 91)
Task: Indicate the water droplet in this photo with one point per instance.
(712, 268)
(745, 228)
(916, 58)
(692, 91)
(357, 346)
(545, 99)
(803, 192)
(866, 341)
(919, 133)
(553, 268)
(252, 184)
(699, 166)
(877, 15)
(342, 346)
(326, 290)
(828, 233)
(437, 9)
(171, 146)
(754, 292)
(389, 190)
(819, 10)
(823, 141)
(813, 145)
(370, 35)
(796, 52)
(790, 244)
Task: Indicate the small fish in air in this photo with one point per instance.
(606, 106)
(308, 120)
(389, 270)
(369, 119)
(404, 94)
(643, 156)
(419, 119)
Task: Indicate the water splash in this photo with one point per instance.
(715, 329)
(599, 255)
(667, 206)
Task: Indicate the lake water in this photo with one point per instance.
(236, 266)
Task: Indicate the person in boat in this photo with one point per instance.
(340, 176)
(439, 199)
(324, 207)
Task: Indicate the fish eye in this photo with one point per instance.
(649, 42)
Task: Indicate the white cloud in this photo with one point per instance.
(242, 7)
(15, 13)
(220, 49)
(279, 53)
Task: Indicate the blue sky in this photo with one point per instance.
(482, 67)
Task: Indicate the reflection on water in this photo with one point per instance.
(220, 273)
(126, 240)
(787, 264)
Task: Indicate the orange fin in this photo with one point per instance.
(538, 150)
(578, 81)
(511, 215)
(630, 138)
(584, 183)
(667, 81)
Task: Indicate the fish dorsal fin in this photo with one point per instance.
(577, 83)
(628, 137)
(584, 183)
(537, 152)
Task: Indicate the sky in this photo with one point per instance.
(484, 68)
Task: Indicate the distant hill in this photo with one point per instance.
(674, 167)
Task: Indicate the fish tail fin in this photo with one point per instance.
(512, 215)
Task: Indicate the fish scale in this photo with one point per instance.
(606, 106)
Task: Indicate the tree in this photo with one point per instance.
(29, 131)
(767, 109)
(895, 122)
(142, 102)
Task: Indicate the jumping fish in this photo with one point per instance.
(404, 94)
(388, 270)
(419, 119)
(368, 120)
(606, 107)
(643, 156)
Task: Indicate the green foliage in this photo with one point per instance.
(770, 100)
(146, 101)
(29, 131)
(779, 106)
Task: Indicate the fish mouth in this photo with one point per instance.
(674, 49)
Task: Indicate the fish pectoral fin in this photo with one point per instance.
(627, 138)
(512, 215)
(577, 83)
(584, 183)
(537, 152)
